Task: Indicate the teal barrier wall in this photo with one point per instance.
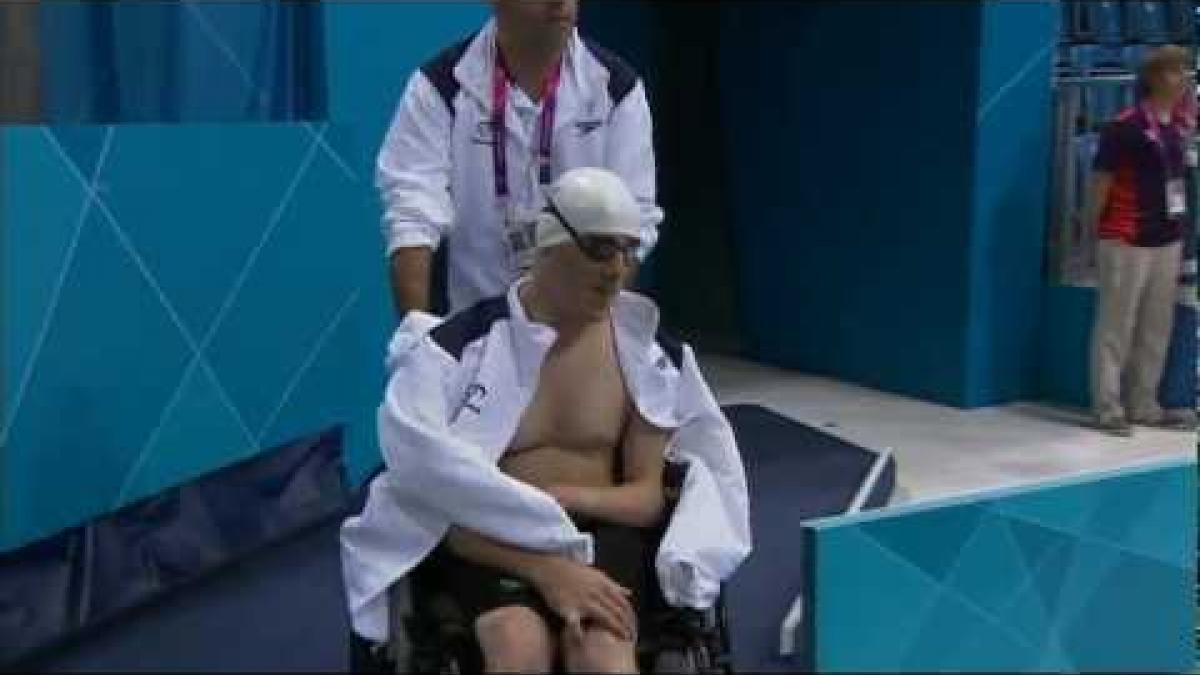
(1010, 200)
(371, 50)
(176, 298)
(1065, 349)
(850, 137)
(1065, 346)
(1093, 574)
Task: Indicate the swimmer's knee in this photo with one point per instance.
(602, 652)
(514, 640)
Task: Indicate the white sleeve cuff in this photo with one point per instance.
(412, 235)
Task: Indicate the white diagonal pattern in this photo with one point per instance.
(94, 202)
(197, 358)
(1024, 70)
(317, 348)
(1086, 538)
(214, 35)
(135, 257)
(990, 618)
(272, 225)
(56, 292)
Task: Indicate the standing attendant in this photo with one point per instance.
(484, 128)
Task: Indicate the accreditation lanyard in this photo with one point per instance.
(500, 80)
(1154, 129)
(1176, 192)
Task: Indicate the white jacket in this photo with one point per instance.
(435, 169)
(455, 397)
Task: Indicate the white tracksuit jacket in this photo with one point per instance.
(435, 172)
(455, 397)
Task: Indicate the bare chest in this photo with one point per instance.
(581, 401)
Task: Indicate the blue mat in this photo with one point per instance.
(282, 609)
(78, 580)
(795, 473)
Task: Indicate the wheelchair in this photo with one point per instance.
(442, 641)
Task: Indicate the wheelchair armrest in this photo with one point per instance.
(699, 637)
(687, 622)
(698, 620)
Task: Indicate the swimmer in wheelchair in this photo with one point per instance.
(561, 488)
(437, 635)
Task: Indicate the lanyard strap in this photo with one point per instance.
(1154, 132)
(500, 78)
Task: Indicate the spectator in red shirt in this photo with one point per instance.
(1139, 205)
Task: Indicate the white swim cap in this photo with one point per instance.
(593, 201)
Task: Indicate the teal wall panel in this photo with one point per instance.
(183, 318)
(1091, 574)
(1010, 200)
(372, 49)
(1064, 350)
(1065, 345)
(224, 293)
(850, 188)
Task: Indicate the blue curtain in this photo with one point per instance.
(139, 61)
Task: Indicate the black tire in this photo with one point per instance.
(369, 658)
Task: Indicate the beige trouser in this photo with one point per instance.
(1135, 311)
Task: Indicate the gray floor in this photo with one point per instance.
(944, 451)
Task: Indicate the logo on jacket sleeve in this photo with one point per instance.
(473, 399)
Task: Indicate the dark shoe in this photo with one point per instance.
(1178, 419)
(1115, 425)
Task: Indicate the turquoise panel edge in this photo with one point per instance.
(998, 493)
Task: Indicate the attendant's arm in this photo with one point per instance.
(1109, 156)
(411, 275)
(1098, 197)
(413, 177)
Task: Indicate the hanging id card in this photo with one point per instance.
(520, 239)
(1176, 198)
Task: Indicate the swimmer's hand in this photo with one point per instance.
(579, 593)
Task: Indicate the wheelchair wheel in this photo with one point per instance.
(720, 651)
(427, 651)
(368, 658)
(676, 662)
(697, 659)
